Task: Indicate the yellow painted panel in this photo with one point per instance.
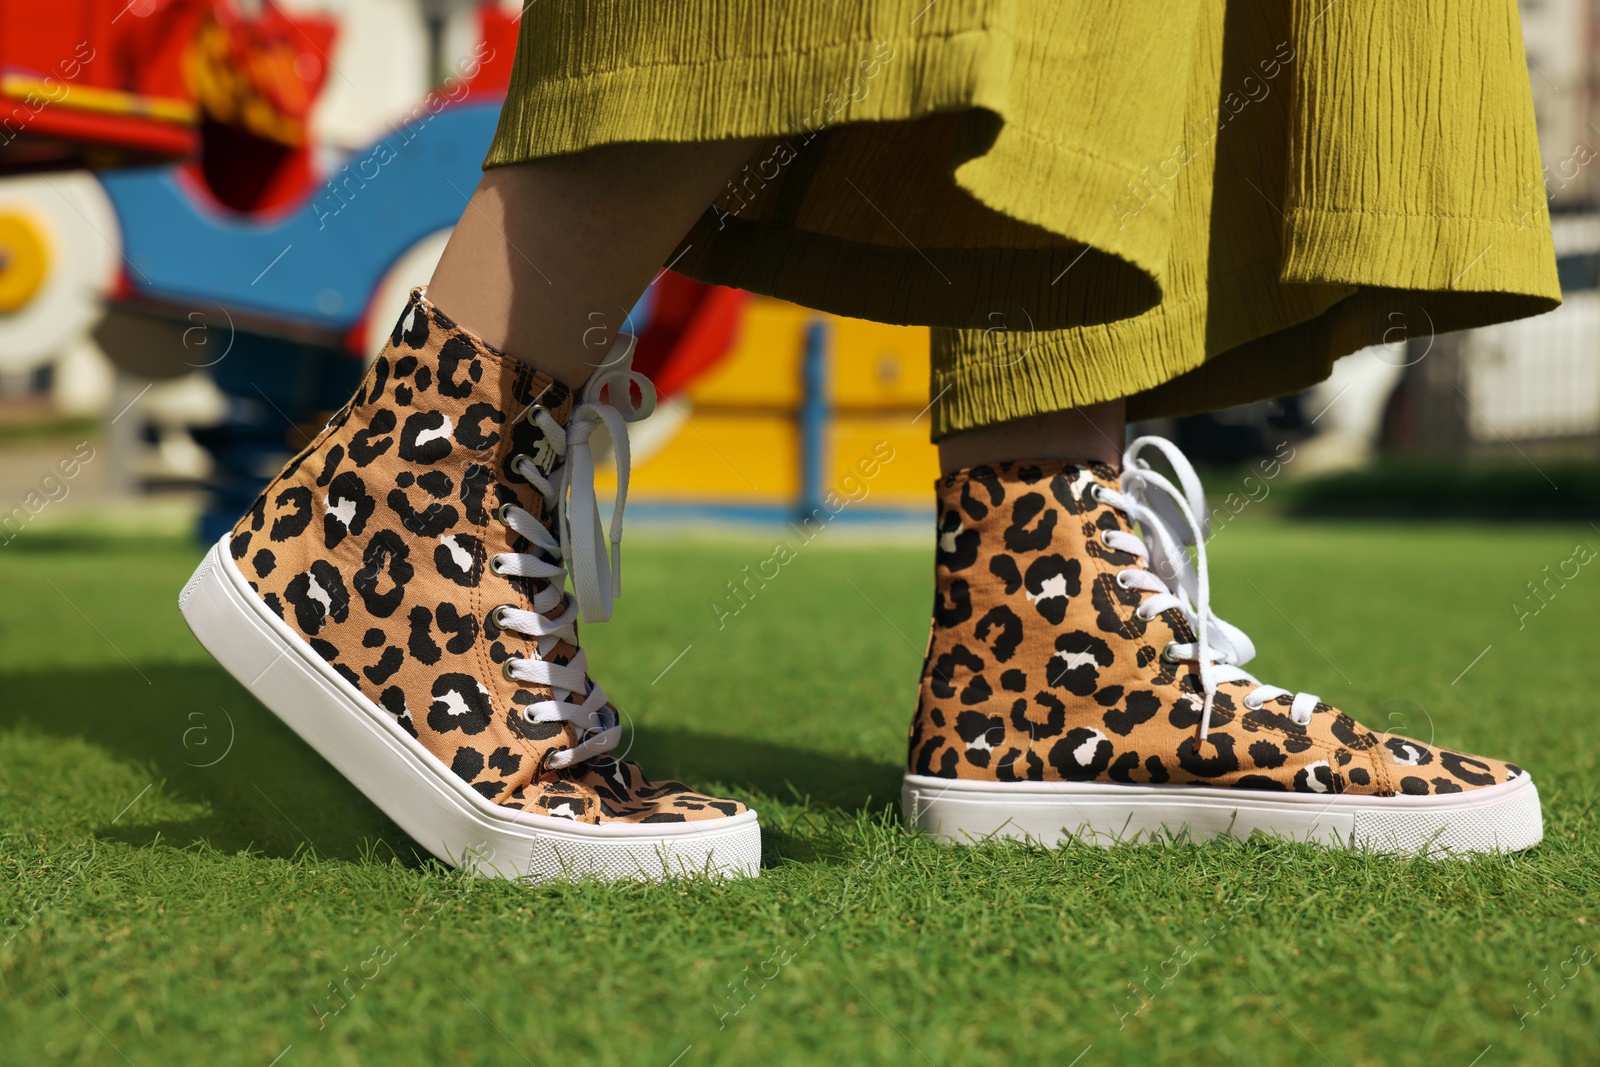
(764, 367)
(878, 366)
(905, 480)
(873, 365)
(713, 458)
(727, 454)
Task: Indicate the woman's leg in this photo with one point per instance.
(550, 256)
(1093, 433)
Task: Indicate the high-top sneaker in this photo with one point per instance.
(397, 596)
(1078, 684)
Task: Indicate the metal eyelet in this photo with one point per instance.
(506, 665)
(1094, 492)
(494, 566)
(1103, 540)
(503, 514)
(532, 411)
(494, 616)
(1167, 653)
(516, 462)
(1122, 583)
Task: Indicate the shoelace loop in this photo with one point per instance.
(578, 551)
(1175, 581)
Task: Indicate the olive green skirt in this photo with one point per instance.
(1187, 205)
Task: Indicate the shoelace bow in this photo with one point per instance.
(1220, 649)
(578, 550)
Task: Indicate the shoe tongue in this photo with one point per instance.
(527, 438)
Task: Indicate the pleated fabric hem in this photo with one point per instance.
(981, 379)
(1348, 279)
(731, 97)
(1462, 254)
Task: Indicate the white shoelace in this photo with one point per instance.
(579, 551)
(1221, 649)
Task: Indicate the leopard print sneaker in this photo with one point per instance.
(398, 596)
(1078, 685)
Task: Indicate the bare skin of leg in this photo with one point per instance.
(550, 256)
(1088, 433)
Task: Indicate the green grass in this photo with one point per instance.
(158, 911)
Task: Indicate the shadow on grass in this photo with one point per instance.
(264, 790)
(73, 541)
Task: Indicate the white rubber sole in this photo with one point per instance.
(422, 795)
(1500, 818)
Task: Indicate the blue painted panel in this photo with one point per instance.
(318, 264)
(813, 415)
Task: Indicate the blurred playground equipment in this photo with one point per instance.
(262, 263)
(787, 420)
(96, 84)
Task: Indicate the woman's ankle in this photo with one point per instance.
(1091, 434)
(549, 257)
